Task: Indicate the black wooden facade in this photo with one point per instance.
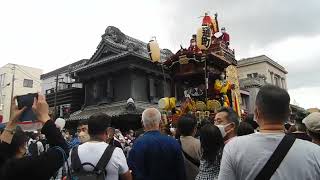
(121, 69)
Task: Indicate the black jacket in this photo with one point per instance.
(39, 167)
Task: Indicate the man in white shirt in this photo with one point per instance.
(35, 139)
(91, 151)
(244, 157)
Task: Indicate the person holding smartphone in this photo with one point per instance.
(13, 162)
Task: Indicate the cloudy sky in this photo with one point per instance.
(50, 34)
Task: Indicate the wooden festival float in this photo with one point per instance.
(204, 75)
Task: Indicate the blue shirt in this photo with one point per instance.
(155, 156)
(75, 141)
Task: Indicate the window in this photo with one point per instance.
(28, 83)
(2, 78)
(276, 79)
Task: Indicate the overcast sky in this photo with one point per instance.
(51, 34)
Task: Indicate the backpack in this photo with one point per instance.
(33, 148)
(98, 173)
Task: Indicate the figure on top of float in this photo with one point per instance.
(225, 36)
(212, 23)
(221, 88)
(193, 46)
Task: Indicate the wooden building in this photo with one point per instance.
(121, 69)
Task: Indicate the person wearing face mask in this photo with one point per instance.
(13, 162)
(227, 121)
(270, 153)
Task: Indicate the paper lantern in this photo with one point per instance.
(167, 103)
(164, 103)
(60, 123)
(172, 102)
(213, 105)
(154, 50)
(204, 35)
(201, 106)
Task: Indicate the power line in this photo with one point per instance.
(30, 76)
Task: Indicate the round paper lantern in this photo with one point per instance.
(204, 35)
(172, 102)
(201, 106)
(164, 103)
(60, 123)
(167, 103)
(154, 50)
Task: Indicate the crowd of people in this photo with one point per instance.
(261, 146)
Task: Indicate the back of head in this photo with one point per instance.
(98, 124)
(272, 104)
(18, 140)
(245, 129)
(151, 118)
(187, 124)
(211, 142)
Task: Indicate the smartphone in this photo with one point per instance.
(27, 101)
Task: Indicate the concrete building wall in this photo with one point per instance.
(27, 80)
(273, 74)
(259, 68)
(50, 82)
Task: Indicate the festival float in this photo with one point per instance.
(204, 75)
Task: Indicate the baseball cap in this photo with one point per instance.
(312, 122)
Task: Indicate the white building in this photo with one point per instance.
(64, 79)
(27, 80)
(256, 72)
(263, 66)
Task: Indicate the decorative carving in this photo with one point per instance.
(115, 34)
(132, 47)
(232, 76)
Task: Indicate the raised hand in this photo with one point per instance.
(15, 111)
(41, 108)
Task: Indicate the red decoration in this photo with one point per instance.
(206, 20)
(226, 38)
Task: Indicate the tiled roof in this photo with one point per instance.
(117, 42)
(64, 69)
(260, 59)
(102, 61)
(114, 109)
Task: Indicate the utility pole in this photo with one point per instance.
(12, 86)
(55, 97)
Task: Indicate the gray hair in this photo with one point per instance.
(151, 117)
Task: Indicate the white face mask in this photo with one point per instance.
(222, 129)
(193, 44)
